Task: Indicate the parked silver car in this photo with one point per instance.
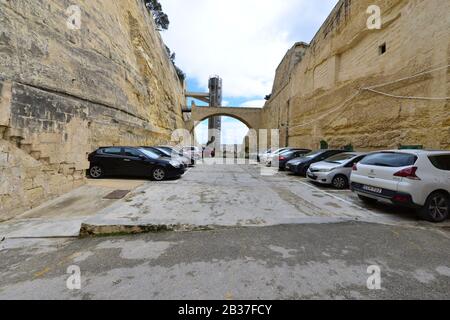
(335, 170)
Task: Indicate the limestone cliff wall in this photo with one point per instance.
(345, 56)
(64, 92)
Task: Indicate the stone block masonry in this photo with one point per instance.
(345, 56)
(64, 92)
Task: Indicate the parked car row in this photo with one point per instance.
(418, 179)
(157, 163)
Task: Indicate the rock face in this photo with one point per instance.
(309, 100)
(64, 91)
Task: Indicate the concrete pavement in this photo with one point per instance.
(221, 196)
(63, 216)
(207, 197)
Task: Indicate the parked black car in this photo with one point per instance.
(301, 165)
(286, 156)
(130, 161)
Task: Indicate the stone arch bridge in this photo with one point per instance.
(251, 117)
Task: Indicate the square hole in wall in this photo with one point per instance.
(382, 49)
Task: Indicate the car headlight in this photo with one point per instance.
(325, 170)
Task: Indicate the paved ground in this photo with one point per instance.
(318, 261)
(275, 237)
(239, 195)
(63, 216)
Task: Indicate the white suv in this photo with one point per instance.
(414, 178)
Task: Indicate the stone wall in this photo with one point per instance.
(65, 92)
(345, 56)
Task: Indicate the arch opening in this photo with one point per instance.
(232, 137)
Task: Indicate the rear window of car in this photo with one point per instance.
(390, 159)
(441, 162)
(112, 151)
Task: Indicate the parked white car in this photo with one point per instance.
(193, 153)
(335, 170)
(268, 155)
(413, 178)
(262, 155)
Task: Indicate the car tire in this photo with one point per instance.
(367, 200)
(96, 172)
(436, 208)
(340, 182)
(159, 174)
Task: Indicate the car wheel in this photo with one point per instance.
(437, 207)
(340, 182)
(158, 174)
(96, 172)
(367, 200)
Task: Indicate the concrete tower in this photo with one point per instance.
(215, 100)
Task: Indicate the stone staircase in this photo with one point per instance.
(41, 176)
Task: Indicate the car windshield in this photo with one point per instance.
(341, 158)
(280, 151)
(164, 152)
(171, 150)
(149, 153)
(313, 154)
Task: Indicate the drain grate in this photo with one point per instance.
(116, 195)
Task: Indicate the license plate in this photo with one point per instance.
(373, 189)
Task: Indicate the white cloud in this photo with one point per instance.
(233, 131)
(253, 104)
(242, 41)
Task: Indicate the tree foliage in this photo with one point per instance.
(172, 56)
(161, 19)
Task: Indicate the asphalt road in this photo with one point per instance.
(319, 261)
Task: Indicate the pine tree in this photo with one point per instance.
(161, 19)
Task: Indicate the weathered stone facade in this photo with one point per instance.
(346, 56)
(65, 92)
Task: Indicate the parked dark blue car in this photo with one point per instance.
(301, 165)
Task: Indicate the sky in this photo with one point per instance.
(242, 41)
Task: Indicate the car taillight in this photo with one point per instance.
(355, 167)
(409, 173)
(282, 158)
